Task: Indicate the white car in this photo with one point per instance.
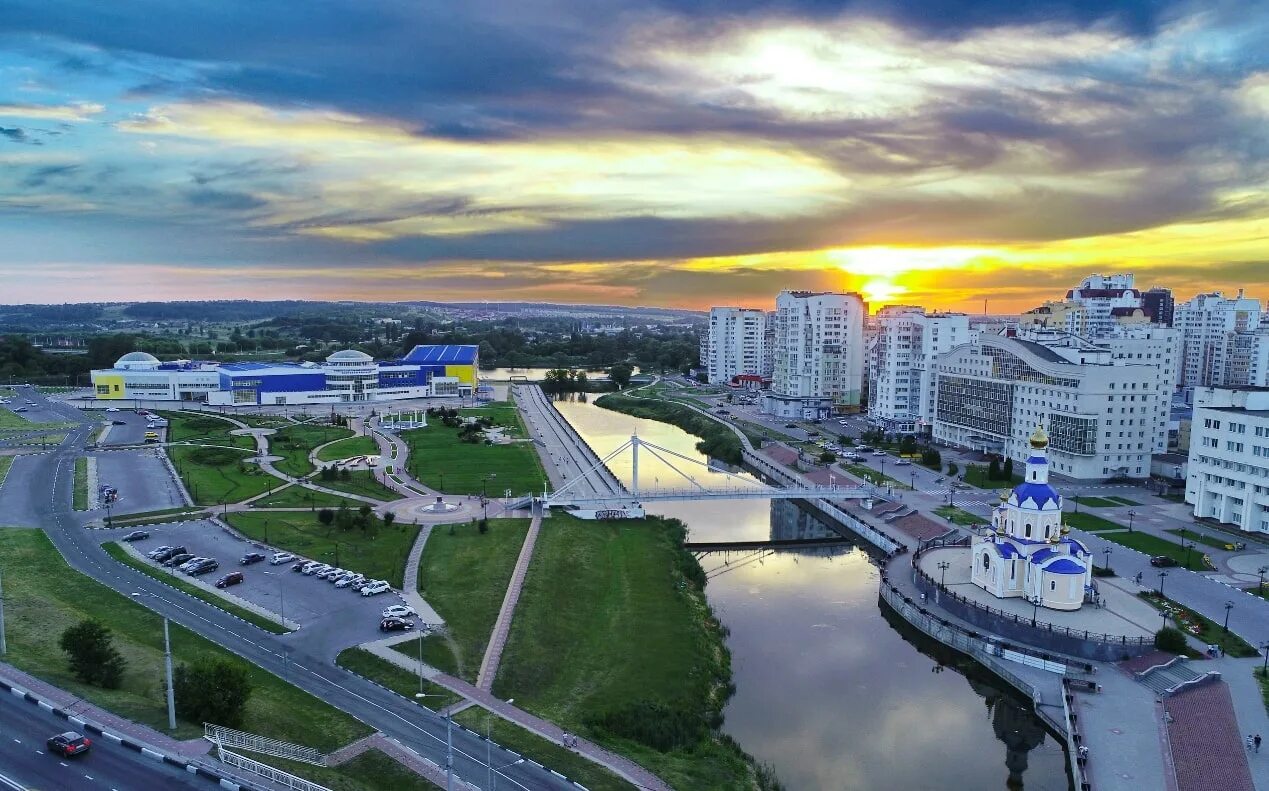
(332, 575)
(320, 568)
(878, 453)
(902, 463)
(376, 587)
(112, 409)
(281, 557)
(399, 611)
(842, 423)
(349, 580)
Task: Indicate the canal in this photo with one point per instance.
(831, 690)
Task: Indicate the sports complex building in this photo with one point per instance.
(344, 377)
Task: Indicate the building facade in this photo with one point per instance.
(1159, 305)
(347, 376)
(818, 355)
(1209, 324)
(901, 357)
(1099, 297)
(1227, 477)
(1105, 416)
(735, 343)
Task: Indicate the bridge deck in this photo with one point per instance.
(774, 543)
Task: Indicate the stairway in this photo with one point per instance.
(1163, 679)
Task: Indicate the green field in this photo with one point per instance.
(379, 552)
(205, 429)
(360, 482)
(465, 576)
(347, 448)
(613, 628)
(958, 517)
(10, 419)
(159, 517)
(879, 478)
(43, 596)
(1123, 500)
(219, 475)
(502, 413)
(399, 680)
(79, 496)
(120, 554)
(293, 496)
(295, 442)
(1096, 502)
(441, 461)
(1090, 522)
(1211, 541)
(5, 463)
(1153, 545)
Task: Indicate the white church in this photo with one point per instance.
(1026, 551)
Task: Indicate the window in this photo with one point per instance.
(1052, 585)
(1028, 530)
(986, 561)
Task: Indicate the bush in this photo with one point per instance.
(828, 457)
(1171, 640)
(93, 656)
(1007, 472)
(952, 469)
(214, 457)
(653, 724)
(326, 516)
(1103, 571)
(212, 690)
(993, 470)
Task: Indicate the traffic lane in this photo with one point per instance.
(45, 409)
(24, 756)
(25, 496)
(132, 432)
(141, 478)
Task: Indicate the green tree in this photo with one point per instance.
(389, 518)
(93, 656)
(343, 517)
(620, 375)
(1007, 472)
(1170, 639)
(213, 690)
(828, 457)
(993, 470)
(908, 445)
(326, 516)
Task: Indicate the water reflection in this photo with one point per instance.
(829, 691)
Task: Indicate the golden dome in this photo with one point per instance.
(1039, 439)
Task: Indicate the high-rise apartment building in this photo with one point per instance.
(735, 343)
(1159, 306)
(1208, 324)
(818, 354)
(901, 358)
(1228, 472)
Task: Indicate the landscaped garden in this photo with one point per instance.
(219, 474)
(958, 517)
(372, 547)
(205, 429)
(79, 495)
(442, 460)
(1090, 522)
(347, 448)
(295, 442)
(1095, 502)
(1205, 629)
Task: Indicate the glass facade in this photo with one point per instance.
(1005, 365)
(976, 404)
(1073, 434)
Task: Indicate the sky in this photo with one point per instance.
(957, 154)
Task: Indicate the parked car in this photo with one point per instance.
(311, 567)
(843, 422)
(395, 625)
(361, 583)
(189, 564)
(299, 564)
(1163, 561)
(232, 578)
(850, 456)
(902, 463)
(177, 560)
(878, 453)
(399, 611)
(375, 588)
(20, 409)
(171, 553)
(118, 422)
(204, 567)
(154, 553)
(331, 574)
(68, 744)
(136, 535)
(281, 557)
(349, 580)
(320, 568)
(112, 409)
(251, 557)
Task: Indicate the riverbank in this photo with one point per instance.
(716, 440)
(614, 640)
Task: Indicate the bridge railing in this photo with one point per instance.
(228, 737)
(268, 772)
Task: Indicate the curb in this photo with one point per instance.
(224, 781)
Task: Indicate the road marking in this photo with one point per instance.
(63, 763)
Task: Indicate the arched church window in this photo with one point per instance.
(1028, 530)
(986, 561)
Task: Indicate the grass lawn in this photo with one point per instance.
(1123, 500)
(502, 413)
(547, 753)
(976, 475)
(216, 475)
(292, 496)
(465, 576)
(1205, 629)
(79, 497)
(5, 463)
(613, 620)
(347, 448)
(204, 429)
(443, 462)
(10, 419)
(1192, 535)
(44, 596)
(1096, 502)
(958, 517)
(1090, 522)
(876, 476)
(1264, 686)
(399, 680)
(159, 517)
(378, 552)
(373, 770)
(1153, 545)
(168, 578)
(360, 482)
(295, 442)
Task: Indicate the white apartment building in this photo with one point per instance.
(818, 355)
(1228, 472)
(1104, 415)
(1099, 298)
(735, 343)
(901, 365)
(1208, 323)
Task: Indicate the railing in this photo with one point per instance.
(1075, 740)
(268, 772)
(222, 737)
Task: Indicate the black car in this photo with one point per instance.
(177, 560)
(136, 535)
(68, 744)
(119, 422)
(395, 625)
(174, 551)
(251, 557)
(299, 564)
(1162, 561)
(205, 567)
(232, 578)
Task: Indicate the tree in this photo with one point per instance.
(581, 383)
(344, 517)
(389, 518)
(993, 470)
(620, 375)
(93, 656)
(326, 516)
(1007, 472)
(828, 457)
(908, 445)
(1170, 639)
(213, 690)
(345, 475)
(483, 526)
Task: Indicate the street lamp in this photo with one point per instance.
(943, 567)
(1106, 558)
(1162, 575)
(3, 647)
(1188, 546)
(1260, 586)
(1131, 516)
(495, 771)
(1035, 609)
(167, 660)
(1229, 605)
(1264, 671)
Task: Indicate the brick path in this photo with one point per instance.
(498, 639)
(1207, 748)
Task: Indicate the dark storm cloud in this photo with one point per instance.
(13, 134)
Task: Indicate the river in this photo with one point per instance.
(829, 691)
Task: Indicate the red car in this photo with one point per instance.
(232, 578)
(69, 744)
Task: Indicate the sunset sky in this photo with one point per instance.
(660, 152)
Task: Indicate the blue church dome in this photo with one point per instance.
(1041, 493)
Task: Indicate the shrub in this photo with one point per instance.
(653, 724)
(952, 469)
(212, 690)
(93, 656)
(1103, 571)
(326, 516)
(214, 457)
(1171, 640)
(828, 457)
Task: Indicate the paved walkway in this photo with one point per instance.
(1249, 708)
(1207, 748)
(498, 639)
(565, 456)
(410, 583)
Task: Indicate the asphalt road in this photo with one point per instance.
(142, 479)
(310, 667)
(24, 728)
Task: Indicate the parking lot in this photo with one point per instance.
(141, 478)
(347, 617)
(131, 433)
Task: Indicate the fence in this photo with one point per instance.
(228, 737)
(268, 772)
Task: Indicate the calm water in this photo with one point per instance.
(530, 374)
(829, 692)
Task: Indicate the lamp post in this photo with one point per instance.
(1264, 671)
(1131, 515)
(1162, 575)
(1106, 558)
(281, 609)
(494, 771)
(1188, 546)
(943, 567)
(3, 647)
(1229, 605)
(1035, 609)
(449, 744)
(167, 661)
(1260, 586)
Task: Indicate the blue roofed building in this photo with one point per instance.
(1026, 552)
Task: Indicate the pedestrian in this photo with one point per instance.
(1251, 742)
(1257, 740)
